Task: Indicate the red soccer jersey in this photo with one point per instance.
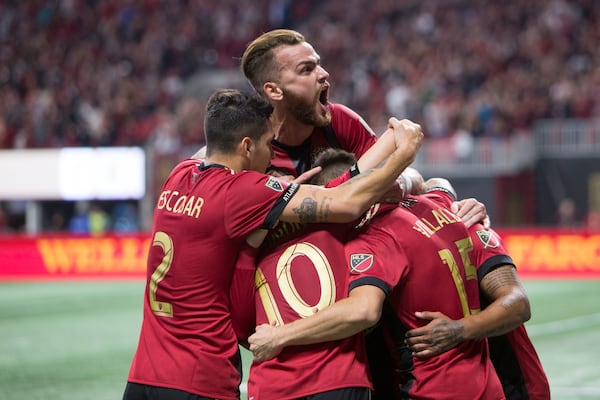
(201, 219)
(529, 365)
(350, 132)
(513, 355)
(298, 277)
(418, 254)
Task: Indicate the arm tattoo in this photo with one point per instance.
(307, 212)
(497, 279)
(324, 208)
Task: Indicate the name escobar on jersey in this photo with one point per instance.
(172, 201)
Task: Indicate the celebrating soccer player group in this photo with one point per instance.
(302, 235)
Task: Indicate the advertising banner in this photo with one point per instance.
(544, 253)
(554, 253)
(65, 257)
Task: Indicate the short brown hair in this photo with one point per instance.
(231, 115)
(257, 62)
(334, 162)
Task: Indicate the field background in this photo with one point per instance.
(74, 340)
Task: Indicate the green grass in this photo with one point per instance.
(565, 328)
(75, 340)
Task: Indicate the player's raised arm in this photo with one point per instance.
(349, 200)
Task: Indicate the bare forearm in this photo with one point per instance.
(348, 201)
(369, 186)
(346, 317)
(509, 309)
(377, 153)
(336, 322)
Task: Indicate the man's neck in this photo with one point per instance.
(225, 161)
(290, 131)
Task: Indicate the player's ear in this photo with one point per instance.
(273, 91)
(246, 146)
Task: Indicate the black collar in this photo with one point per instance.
(204, 167)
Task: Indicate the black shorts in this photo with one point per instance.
(136, 391)
(352, 393)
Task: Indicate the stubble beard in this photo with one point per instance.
(307, 112)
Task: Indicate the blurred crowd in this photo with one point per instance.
(114, 72)
(487, 68)
(118, 72)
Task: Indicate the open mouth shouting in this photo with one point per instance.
(324, 96)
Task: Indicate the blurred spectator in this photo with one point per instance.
(79, 221)
(16, 213)
(592, 221)
(4, 227)
(99, 220)
(89, 217)
(124, 218)
(109, 72)
(567, 213)
(119, 72)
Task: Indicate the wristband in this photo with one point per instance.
(407, 184)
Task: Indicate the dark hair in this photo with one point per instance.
(257, 62)
(334, 162)
(231, 115)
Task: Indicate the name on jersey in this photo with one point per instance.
(173, 201)
(438, 219)
(281, 231)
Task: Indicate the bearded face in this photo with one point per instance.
(310, 111)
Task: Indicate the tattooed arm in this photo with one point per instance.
(508, 309)
(348, 201)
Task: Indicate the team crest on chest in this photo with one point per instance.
(361, 262)
(273, 183)
(489, 240)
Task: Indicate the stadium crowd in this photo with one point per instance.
(118, 72)
(114, 72)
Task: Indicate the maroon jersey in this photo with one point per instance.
(347, 131)
(519, 367)
(298, 277)
(513, 355)
(419, 254)
(201, 220)
(241, 294)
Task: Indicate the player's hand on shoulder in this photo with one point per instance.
(471, 211)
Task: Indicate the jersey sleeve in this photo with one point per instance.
(351, 130)
(488, 249)
(374, 258)
(256, 202)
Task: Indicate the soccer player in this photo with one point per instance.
(206, 210)
(284, 68)
(506, 308)
(301, 270)
(412, 256)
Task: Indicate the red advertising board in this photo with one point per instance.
(544, 253)
(554, 252)
(64, 257)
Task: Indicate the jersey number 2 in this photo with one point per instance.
(161, 308)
